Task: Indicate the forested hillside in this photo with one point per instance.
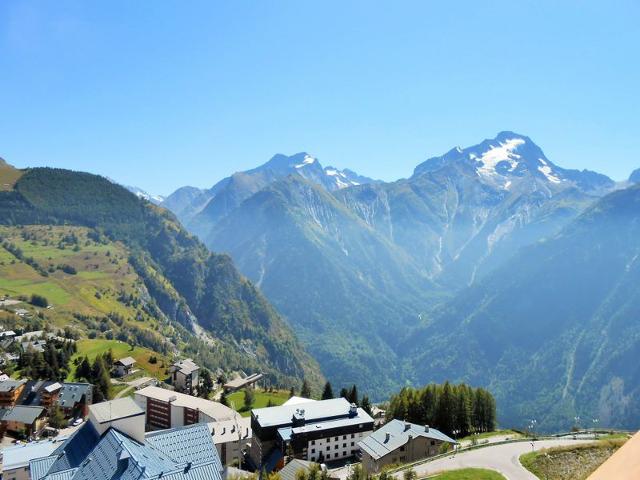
(555, 333)
(224, 320)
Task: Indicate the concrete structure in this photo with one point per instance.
(122, 414)
(400, 442)
(167, 409)
(112, 445)
(318, 431)
(10, 391)
(20, 418)
(239, 383)
(124, 366)
(15, 460)
(232, 438)
(624, 464)
(185, 376)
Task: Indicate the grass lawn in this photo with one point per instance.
(94, 347)
(236, 400)
(469, 474)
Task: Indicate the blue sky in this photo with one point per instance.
(171, 93)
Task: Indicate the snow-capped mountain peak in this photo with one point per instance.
(509, 159)
(307, 160)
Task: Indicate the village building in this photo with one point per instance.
(23, 419)
(168, 409)
(317, 431)
(15, 459)
(232, 439)
(113, 445)
(400, 442)
(240, 383)
(73, 398)
(123, 366)
(185, 376)
(10, 391)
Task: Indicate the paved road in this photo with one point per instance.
(502, 458)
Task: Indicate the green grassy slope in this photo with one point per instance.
(136, 261)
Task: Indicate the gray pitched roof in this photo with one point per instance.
(126, 361)
(72, 393)
(378, 444)
(9, 385)
(22, 414)
(293, 467)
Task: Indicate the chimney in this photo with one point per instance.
(353, 410)
(407, 426)
(426, 428)
(387, 437)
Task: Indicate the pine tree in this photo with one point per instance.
(366, 404)
(206, 386)
(305, 391)
(353, 395)
(327, 393)
(249, 398)
(292, 392)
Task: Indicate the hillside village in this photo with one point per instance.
(115, 417)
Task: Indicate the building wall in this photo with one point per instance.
(334, 447)
(415, 449)
(231, 451)
(8, 399)
(21, 473)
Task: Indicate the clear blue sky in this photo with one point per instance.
(161, 94)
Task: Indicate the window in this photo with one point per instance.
(336, 439)
(352, 443)
(344, 454)
(353, 435)
(313, 450)
(433, 442)
(344, 445)
(313, 442)
(344, 437)
(402, 448)
(328, 456)
(313, 459)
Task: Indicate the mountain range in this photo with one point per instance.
(204, 306)
(365, 269)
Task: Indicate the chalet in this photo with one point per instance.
(240, 383)
(185, 376)
(10, 391)
(29, 420)
(124, 366)
(74, 398)
(400, 442)
(316, 431)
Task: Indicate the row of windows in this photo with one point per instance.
(344, 437)
(335, 447)
(335, 456)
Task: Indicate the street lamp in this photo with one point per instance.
(595, 422)
(532, 426)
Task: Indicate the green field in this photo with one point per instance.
(92, 348)
(469, 474)
(236, 400)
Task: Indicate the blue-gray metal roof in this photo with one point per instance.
(40, 466)
(377, 445)
(186, 453)
(72, 393)
(313, 411)
(20, 455)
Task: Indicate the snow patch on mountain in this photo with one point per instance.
(546, 170)
(308, 160)
(502, 153)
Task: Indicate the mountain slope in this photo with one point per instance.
(343, 286)
(555, 333)
(200, 290)
(456, 219)
(200, 211)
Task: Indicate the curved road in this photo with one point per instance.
(502, 458)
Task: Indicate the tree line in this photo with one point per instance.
(453, 409)
(98, 374)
